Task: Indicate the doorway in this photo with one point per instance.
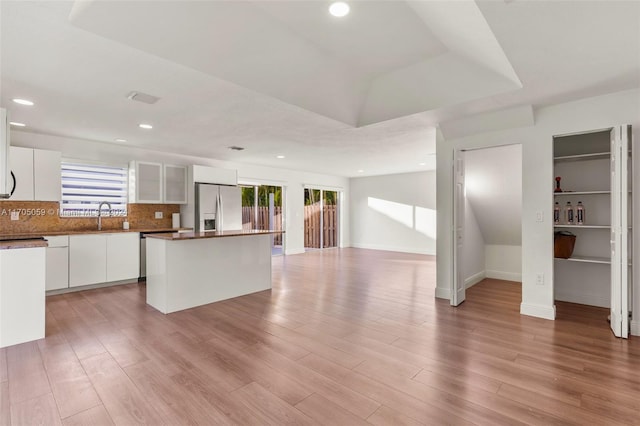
(487, 218)
(262, 208)
(321, 218)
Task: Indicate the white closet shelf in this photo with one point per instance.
(582, 193)
(584, 226)
(587, 259)
(583, 157)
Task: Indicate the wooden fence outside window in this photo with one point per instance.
(311, 224)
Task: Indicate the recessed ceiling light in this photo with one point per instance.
(23, 102)
(121, 140)
(361, 171)
(145, 126)
(279, 156)
(339, 9)
(422, 164)
(14, 123)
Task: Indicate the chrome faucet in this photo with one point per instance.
(100, 213)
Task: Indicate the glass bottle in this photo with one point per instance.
(568, 214)
(580, 213)
(556, 213)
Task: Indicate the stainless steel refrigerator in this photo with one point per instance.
(217, 207)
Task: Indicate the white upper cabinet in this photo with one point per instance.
(47, 175)
(37, 174)
(21, 160)
(206, 174)
(175, 184)
(157, 183)
(145, 182)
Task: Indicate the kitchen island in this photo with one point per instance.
(190, 269)
(22, 300)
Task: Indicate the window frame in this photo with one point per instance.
(87, 203)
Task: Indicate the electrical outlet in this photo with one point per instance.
(15, 215)
(158, 215)
(539, 216)
(540, 279)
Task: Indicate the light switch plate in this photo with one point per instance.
(539, 216)
(15, 215)
(158, 215)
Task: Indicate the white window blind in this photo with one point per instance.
(85, 186)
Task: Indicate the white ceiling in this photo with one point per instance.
(335, 96)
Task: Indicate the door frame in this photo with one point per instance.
(458, 290)
(339, 200)
(283, 218)
(454, 297)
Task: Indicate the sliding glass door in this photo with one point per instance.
(262, 209)
(321, 218)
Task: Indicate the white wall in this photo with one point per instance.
(293, 181)
(503, 262)
(394, 212)
(474, 248)
(537, 237)
(493, 185)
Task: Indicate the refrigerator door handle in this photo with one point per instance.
(219, 213)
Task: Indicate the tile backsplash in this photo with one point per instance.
(42, 216)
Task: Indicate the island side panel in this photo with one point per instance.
(157, 274)
(22, 295)
(202, 271)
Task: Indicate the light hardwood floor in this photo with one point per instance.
(346, 337)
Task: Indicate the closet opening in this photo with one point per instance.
(593, 233)
(488, 225)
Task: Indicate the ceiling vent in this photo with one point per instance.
(142, 97)
(236, 148)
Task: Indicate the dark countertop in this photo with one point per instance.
(212, 234)
(20, 244)
(23, 236)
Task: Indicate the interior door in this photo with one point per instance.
(458, 294)
(619, 233)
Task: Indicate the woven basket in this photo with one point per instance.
(563, 244)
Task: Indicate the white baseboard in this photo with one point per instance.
(392, 248)
(539, 311)
(294, 251)
(583, 298)
(443, 293)
(474, 279)
(635, 328)
(502, 275)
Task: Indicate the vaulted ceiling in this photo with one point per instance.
(333, 95)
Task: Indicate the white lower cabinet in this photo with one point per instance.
(22, 297)
(123, 256)
(57, 276)
(87, 259)
(103, 258)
